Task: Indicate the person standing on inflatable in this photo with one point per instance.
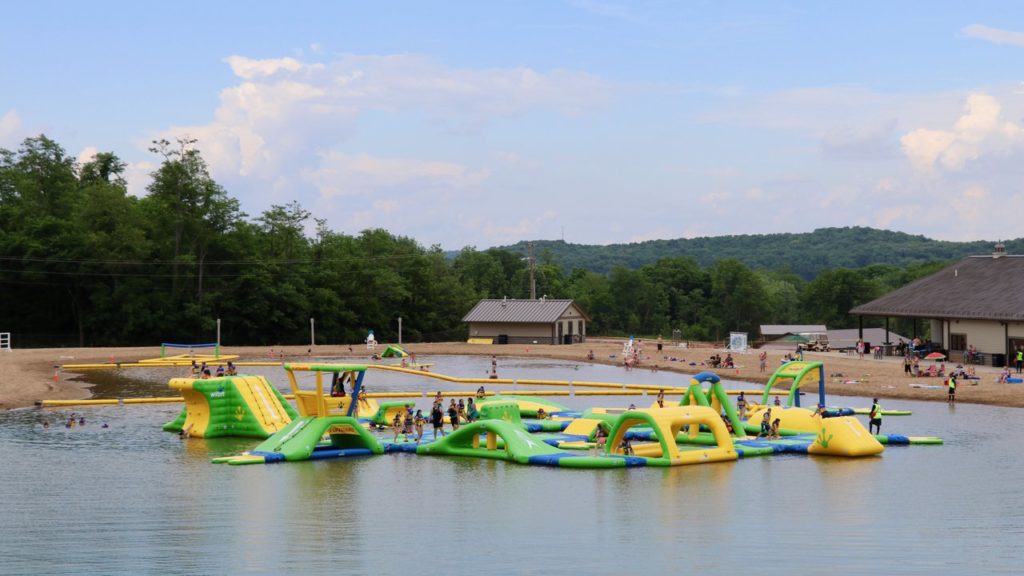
(876, 418)
(951, 382)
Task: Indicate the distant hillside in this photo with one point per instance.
(805, 253)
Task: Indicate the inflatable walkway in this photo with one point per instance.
(304, 439)
(230, 406)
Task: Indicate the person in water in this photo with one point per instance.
(875, 417)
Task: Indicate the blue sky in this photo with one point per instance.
(485, 123)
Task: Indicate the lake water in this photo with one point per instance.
(133, 499)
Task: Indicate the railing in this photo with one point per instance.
(5, 341)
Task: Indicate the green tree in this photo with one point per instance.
(829, 297)
(738, 298)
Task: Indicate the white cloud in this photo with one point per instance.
(339, 135)
(250, 68)
(341, 174)
(10, 129)
(137, 175)
(994, 35)
(87, 154)
(978, 130)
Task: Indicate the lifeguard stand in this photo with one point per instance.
(371, 341)
(5, 341)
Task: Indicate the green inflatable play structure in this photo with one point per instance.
(230, 406)
(303, 439)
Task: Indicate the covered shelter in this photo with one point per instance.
(977, 302)
(781, 336)
(543, 321)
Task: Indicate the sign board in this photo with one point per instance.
(738, 341)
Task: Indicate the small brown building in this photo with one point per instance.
(544, 321)
(979, 302)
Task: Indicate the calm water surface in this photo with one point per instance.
(134, 499)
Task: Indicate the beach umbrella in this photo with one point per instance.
(935, 356)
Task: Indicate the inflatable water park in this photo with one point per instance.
(338, 419)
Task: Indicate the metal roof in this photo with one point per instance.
(780, 329)
(977, 287)
(520, 311)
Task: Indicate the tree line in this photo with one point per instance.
(83, 262)
(806, 254)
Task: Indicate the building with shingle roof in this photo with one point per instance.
(979, 301)
(543, 321)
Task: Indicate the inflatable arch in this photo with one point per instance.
(666, 423)
(716, 398)
(796, 372)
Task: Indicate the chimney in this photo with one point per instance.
(1000, 250)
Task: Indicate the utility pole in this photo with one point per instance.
(399, 330)
(533, 280)
(312, 333)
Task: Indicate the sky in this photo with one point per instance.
(469, 123)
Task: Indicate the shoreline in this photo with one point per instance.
(28, 375)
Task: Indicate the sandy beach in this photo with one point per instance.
(30, 375)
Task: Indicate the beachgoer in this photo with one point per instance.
(741, 406)
(206, 374)
(626, 446)
(480, 393)
(220, 371)
(600, 437)
(231, 369)
(951, 383)
(819, 410)
(763, 360)
(660, 343)
(766, 426)
(437, 419)
(1020, 359)
(632, 407)
(778, 401)
(590, 355)
(661, 399)
(453, 415)
(407, 424)
(418, 422)
(906, 365)
(396, 425)
(774, 433)
(46, 423)
(462, 410)
(472, 414)
(875, 415)
(195, 369)
(541, 414)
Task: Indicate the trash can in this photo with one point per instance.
(502, 338)
(998, 360)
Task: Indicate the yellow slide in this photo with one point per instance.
(255, 391)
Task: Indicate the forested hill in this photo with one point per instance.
(805, 254)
